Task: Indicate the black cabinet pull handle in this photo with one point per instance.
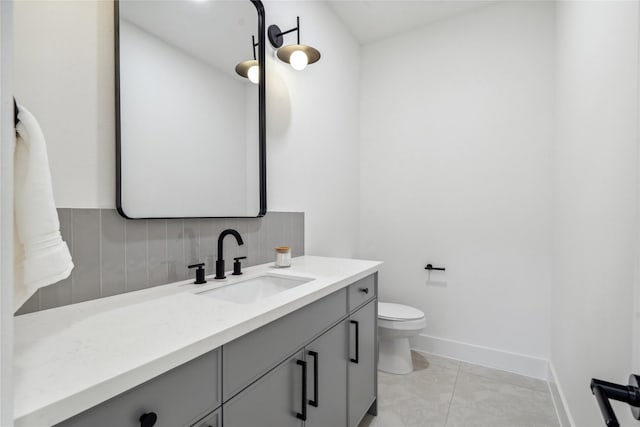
(314, 402)
(364, 290)
(303, 416)
(431, 267)
(148, 420)
(356, 360)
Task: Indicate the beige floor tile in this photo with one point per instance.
(481, 401)
(443, 391)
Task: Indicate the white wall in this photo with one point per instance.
(64, 76)
(312, 145)
(7, 141)
(595, 197)
(457, 126)
(312, 137)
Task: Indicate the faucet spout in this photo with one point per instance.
(220, 260)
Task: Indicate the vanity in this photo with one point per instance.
(289, 348)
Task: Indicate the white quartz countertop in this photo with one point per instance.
(71, 358)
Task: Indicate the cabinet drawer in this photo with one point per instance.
(250, 356)
(178, 398)
(362, 291)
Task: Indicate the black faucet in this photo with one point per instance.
(220, 262)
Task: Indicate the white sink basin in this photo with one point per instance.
(253, 290)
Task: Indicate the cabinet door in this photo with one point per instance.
(327, 378)
(362, 361)
(273, 401)
(211, 420)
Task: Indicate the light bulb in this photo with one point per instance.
(298, 60)
(254, 74)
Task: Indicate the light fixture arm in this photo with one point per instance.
(276, 35)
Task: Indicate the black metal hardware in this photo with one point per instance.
(148, 420)
(303, 416)
(237, 267)
(275, 34)
(15, 113)
(431, 267)
(314, 402)
(357, 358)
(364, 290)
(199, 273)
(630, 394)
(220, 262)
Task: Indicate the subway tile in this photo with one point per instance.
(253, 254)
(297, 227)
(64, 216)
(31, 305)
(158, 269)
(85, 251)
(208, 232)
(265, 253)
(175, 250)
(113, 253)
(136, 254)
(56, 295)
(191, 245)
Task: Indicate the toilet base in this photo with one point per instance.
(395, 355)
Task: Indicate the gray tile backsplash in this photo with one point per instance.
(113, 255)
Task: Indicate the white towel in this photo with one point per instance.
(41, 257)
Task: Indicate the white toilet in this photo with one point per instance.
(396, 323)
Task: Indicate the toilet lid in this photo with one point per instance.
(390, 311)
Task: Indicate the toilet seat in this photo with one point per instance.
(398, 312)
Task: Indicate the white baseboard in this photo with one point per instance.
(559, 401)
(483, 356)
(500, 359)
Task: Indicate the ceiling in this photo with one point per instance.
(371, 20)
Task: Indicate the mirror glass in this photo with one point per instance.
(189, 135)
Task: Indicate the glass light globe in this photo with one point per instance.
(298, 60)
(254, 74)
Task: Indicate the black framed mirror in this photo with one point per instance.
(190, 123)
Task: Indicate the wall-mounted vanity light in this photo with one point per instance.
(250, 69)
(298, 55)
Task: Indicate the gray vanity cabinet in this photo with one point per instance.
(273, 401)
(327, 378)
(362, 361)
(315, 367)
(212, 420)
(177, 398)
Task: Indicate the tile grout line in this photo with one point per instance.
(126, 260)
(100, 250)
(453, 393)
(147, 250)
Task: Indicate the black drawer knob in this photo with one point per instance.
(364, 290)
(148, 419)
